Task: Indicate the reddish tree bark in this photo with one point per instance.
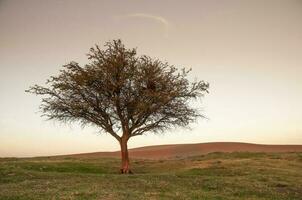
(125, 165)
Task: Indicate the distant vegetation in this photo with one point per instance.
(213, 176)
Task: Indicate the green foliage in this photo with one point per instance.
(121, 92)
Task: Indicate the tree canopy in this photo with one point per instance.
(122, 93)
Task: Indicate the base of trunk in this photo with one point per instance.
(125, 171)
(125, 157)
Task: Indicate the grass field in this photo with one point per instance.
(212, 176)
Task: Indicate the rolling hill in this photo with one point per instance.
(185, 150)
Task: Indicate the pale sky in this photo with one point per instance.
(249, 51)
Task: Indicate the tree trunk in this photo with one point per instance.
(125, 169)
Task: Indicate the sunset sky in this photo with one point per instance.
(249, 51)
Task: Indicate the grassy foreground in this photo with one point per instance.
(213, 176)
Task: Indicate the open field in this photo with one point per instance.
(236, 175)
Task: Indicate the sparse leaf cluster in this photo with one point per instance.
(119, 90)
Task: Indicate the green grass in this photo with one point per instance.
(213, 176)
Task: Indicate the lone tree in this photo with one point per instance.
(123, 94)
